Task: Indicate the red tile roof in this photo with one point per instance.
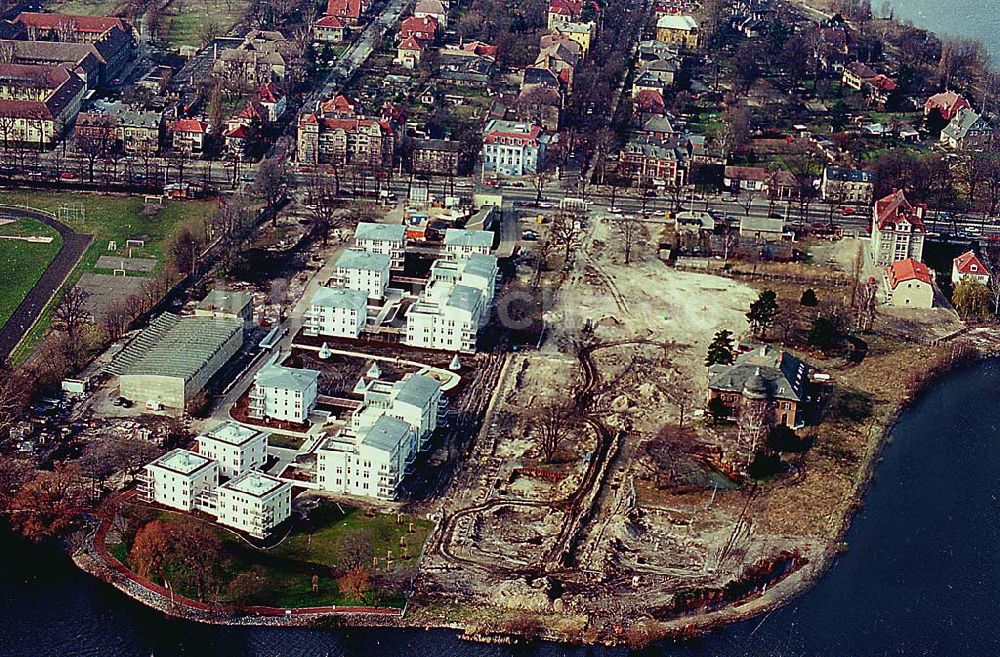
(948, 103)
(650, 100)
(969, 263)
(188, 125)
(423, 27)
(93, 24)
(908, 270)
(340, 105)
(344, 8)
(330, 21)
(895, 207)
(410, 43)
(269, 93)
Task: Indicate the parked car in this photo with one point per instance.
(68, 175)
(529, 236)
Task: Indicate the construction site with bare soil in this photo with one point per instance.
(599, 502)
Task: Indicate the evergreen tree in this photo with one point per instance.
(762, 312)
(822, 334)
(809, 298)
(720, 350)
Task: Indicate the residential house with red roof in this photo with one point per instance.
(409, 52)
(349, 11)
(273, 100)
(909, 284)
(339, 106)
(425, 29)
(39, 101)
(188, 135)
(564, 11)
(946, 104)
(897, 230)
(341, 140)
(329, 29)
(969, 264)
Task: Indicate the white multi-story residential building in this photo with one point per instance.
(337, 311)
(455, 304)
(179, 479)
(476, 271)
(446, 317)
(414, 400)
(513, 148)
(459, 243)
(254, 503)
(369, 463)
(388, 239)
(237, 448)
(897, 230)
(283, 393)
(363, 270)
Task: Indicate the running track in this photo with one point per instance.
(74, 244)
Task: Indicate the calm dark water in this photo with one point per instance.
(955, 18)
(922, 576)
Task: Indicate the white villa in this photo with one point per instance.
(414, 400)
(363, 270)
(238, 449)
(337, 311)
(283, 393)
(459, 243)
(386, 239)
(179, 479)
(254, 503)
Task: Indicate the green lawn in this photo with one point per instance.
(315, 548)
(84, 7)
(109, 218)
(23, 263)
(186, 27)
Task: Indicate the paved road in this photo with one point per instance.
(74, 244)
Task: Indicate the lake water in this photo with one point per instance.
(921, 578)
(957, 18)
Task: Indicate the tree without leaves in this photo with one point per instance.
(355, 549)
(553, 424)
(564, 232)
(762, 313)
(185, 250)
(177, 549)
(71, 313)
(633, 233)
(720, 349)
(270, 184)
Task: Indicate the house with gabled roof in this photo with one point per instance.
(909, 284)
(969, 264)
(897, 230)
(967, 131)
(946, 104)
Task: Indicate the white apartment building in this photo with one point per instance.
(179, 479)
(513, 148)
(283, 393)
(363, 270)
(254, 503)
(387, 239)
(337, 311)
(237, 448)
(414, 399)
(445, 317)
(459, 243)
(368, 463)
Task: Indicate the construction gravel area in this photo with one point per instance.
(563, 540)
